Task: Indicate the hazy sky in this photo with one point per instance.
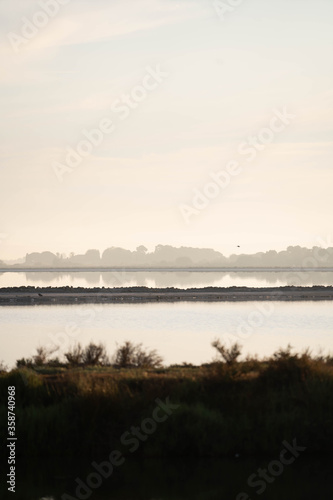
(180, 89)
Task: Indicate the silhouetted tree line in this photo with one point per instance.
(182, 257)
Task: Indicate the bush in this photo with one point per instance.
(230, 355)
(130, 355)
(43, 355)
(284, 367)
(3, 367)
(95, 354)
(75, 355)
(41, 358)
(92, 355)
(24, 363)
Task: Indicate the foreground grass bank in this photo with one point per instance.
(218, 409)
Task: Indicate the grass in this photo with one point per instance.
(246, 407)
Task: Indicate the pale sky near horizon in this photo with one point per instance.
(224, 78)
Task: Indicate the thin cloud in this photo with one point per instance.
(102, 21)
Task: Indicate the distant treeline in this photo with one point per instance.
(182, 257)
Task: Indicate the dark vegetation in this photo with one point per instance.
(128, 355)
(84, 404)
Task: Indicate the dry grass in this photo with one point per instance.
(222, 406)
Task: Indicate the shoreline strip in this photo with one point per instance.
(68, 295)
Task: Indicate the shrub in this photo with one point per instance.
(43, 355)
(41, 358)
(3, 367)
(131, 355)
(284, 367)
(229, 355)
(75, 355)
(283, 354)
(92, 355)
(95, 354)
(24, 363)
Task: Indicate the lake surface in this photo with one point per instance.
(189, 279)
(305, 479)
(181, 332)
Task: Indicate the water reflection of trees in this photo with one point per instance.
(54, 278)
(301, 278)
(179, 279)
(256, 278)
(43, 277)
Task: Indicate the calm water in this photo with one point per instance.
(165, 279)
(180, 332)
(305, 479)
